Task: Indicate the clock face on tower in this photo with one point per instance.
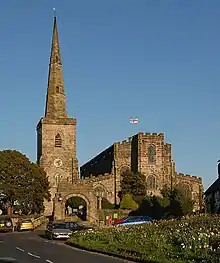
(58, 162)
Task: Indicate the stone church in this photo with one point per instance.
(100, 177)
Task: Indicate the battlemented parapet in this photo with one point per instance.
(154, 134)
(188, 176)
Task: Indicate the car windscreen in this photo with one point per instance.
(59, 226)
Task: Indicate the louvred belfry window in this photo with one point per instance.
(58, 141)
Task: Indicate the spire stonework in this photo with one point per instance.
(56, 99)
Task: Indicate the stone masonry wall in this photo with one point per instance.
(193, 186)
(154, 169)
(122, 158)
(68, 170)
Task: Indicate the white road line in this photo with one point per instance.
(48, 261)
(32, 255)
(18, 248)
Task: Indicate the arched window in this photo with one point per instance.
(100, 191)
(151, 182)
(151, 154)
(57, 89)
(58, 141)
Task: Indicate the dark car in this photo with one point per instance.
(77, 226)
(6, 224)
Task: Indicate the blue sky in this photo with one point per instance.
(157, 60)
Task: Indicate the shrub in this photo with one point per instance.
(127, 202)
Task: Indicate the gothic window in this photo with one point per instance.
(57, 179)
(58, 141)
(57, 59)
(100, 191)
(151, 182)
(151, 154)
(57, 89)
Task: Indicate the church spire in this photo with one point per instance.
(56, 100)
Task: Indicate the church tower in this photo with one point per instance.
(56, 132)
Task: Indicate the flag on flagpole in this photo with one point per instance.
(134, 121)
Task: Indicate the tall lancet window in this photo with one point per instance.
(151, 154)
(151, 182)
(58, 140)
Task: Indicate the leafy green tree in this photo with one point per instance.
(75, 202)
(153, 206)
(23, 181)
(134, 184)
(173, 203)
(180, 203)
(127, 202)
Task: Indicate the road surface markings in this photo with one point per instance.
(18, 248)
(32, 255)
(48, 261)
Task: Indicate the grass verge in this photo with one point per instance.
(196, 239)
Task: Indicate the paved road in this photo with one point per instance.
(32, 248)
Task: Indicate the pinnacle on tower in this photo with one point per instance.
(56, 100)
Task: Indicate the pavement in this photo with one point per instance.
(33, 247)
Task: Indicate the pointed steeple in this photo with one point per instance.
(56, 99)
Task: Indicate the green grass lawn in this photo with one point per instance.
(196, 239)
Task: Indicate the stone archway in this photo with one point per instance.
(82, 196)
(76, 207)
(80, 188)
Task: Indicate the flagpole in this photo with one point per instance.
(135, 121)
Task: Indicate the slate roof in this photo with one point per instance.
(214, 187)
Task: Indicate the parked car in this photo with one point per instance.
(134, 220)
(6, 224)
(116, 221)
(25, 224)
(77, 226)
(57, 230)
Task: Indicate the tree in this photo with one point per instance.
(153, 206)
(23, 181)
(180, 203)
(75, 202)
(134, 184)
(127, 202)
(173, 203)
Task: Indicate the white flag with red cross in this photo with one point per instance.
(134, 121)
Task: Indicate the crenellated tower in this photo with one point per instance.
(56, 132)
